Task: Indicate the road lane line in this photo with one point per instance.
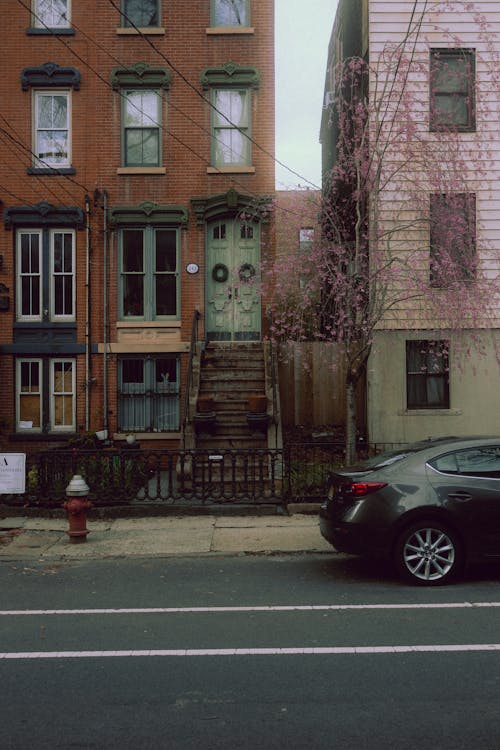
(262, 608)
(299, 651)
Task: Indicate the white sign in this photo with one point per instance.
(12, 473)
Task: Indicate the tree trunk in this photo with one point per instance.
(350, 422)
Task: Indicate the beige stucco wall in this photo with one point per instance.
(474, 390)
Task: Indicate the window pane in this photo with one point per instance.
(166, 294)
(133, 296)
(166, 250)
(141, 147)
(132, 250)
(51, 13)
(231, 108)
(132, 374)
(62, 389)
(141, 12)
(29, 394)
(142, 108)
(231, 12)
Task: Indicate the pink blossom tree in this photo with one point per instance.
(402, 243)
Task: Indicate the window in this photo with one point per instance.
(230, 12)
(477, 462)
(230, 127)
(141, 128)
(52, 129)
(149, 273)
(141, 13)
(45, 275)
(452, 238)
(306, 238)
(452, 87)
(45, 395)
(52, 14)
(148, 394)
(427, 375)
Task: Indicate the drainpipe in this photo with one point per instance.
(87, 311)
(105, 315)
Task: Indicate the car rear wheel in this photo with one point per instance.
(428, 553)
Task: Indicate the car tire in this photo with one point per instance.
(429, 553)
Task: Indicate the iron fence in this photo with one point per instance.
(298, 472)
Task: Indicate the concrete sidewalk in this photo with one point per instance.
(24, 538)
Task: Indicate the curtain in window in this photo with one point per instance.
(52, 128)
(231, 12)
(230, 122)
(427, 381)
(141, 12)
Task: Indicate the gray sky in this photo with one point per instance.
(302, 34)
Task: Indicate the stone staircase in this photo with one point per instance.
(230, 374)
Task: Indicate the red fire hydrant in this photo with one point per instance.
(77, 505)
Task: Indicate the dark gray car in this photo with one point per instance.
(430, 507)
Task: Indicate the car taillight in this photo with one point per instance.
(359, 489)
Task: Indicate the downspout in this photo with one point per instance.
(105, 315)
(87, 311)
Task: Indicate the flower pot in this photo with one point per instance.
(257, 404)
(204, 405)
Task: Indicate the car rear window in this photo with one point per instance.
(479, 461)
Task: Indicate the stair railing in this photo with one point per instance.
(189, 378)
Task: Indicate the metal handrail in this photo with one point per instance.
(189, 377)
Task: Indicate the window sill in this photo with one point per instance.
(51, 170)
(141, 31)
(430, 412)
(141, 170)
(242, 30)
(148, 435)
(55, 31)
(231, 170)
(148, 324)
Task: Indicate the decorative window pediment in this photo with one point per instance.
(140, 74)
(148, 213)
(50, 74)
(230, 74)
(43, 214)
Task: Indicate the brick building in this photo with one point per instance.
(136, 158)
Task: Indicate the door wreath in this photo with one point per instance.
(220, 273)
(246, 272)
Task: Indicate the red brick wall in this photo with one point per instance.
(95, 50)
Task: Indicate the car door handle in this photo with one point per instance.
(462, 497)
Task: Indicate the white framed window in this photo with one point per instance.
(141, 139)
(141, 13)
(45, 395)
(231, 12)
(52, 130)
(62, 395)
(230, 127)
(29, 395)
(45, 275)
(52, 14)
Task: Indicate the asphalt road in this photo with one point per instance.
(304, 651)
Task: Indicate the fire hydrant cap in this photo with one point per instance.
(77, 487)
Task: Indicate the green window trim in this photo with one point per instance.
(140, 75)
(230, 74)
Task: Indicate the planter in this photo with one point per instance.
(257, 404)
(204, 405)
(258, 422)
(205, 422)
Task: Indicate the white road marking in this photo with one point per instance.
(263, 608)
(321, 650)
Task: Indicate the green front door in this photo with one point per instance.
(233, 281)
